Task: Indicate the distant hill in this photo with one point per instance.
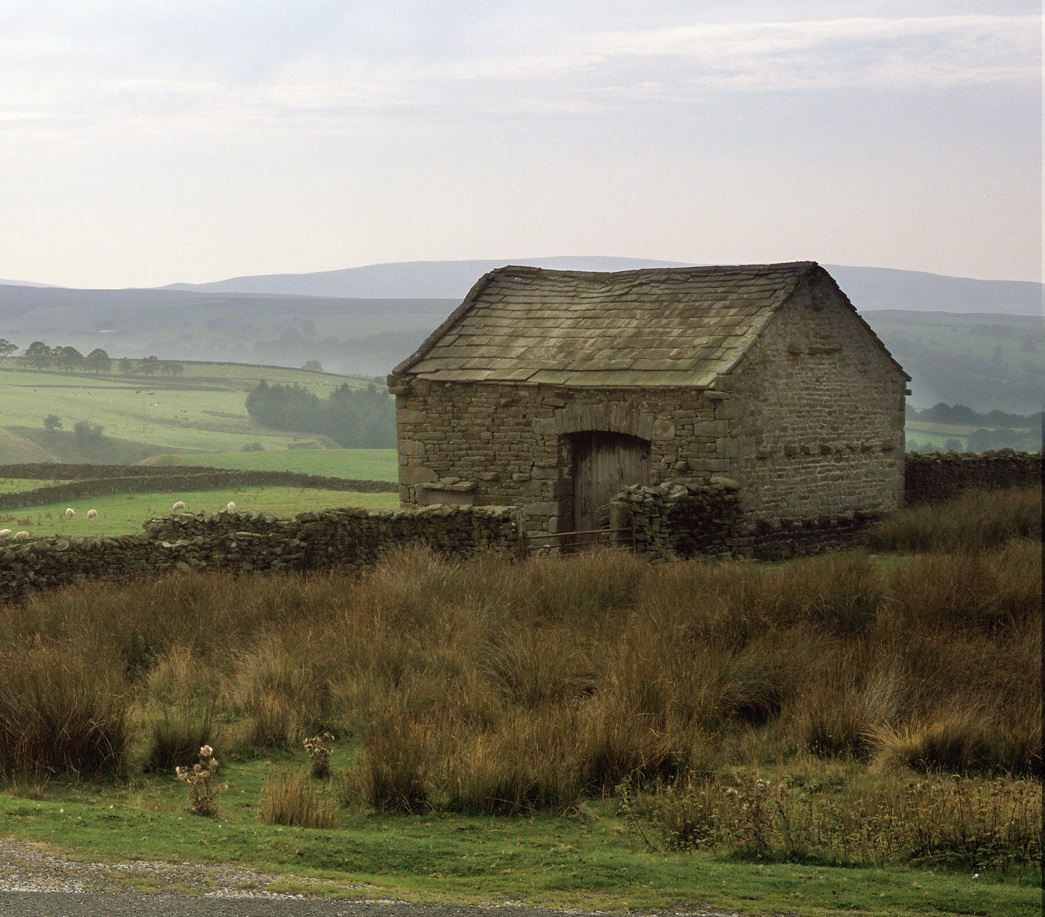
(406, 279)
(870, 288)
(976, 342)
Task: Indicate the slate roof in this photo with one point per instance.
(660, 327)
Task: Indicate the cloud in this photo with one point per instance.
(905, 53)
(320, 77)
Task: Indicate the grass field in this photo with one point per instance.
(202, 410)
(982, 361)
(357, 464)
(124, 514)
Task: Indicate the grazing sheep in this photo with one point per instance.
(69, 513)
(178, 507)
(21, 536)
(231, 507)
(5, 533)
(92, 514)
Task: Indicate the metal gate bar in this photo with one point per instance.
(530, 536)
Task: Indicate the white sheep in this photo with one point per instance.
(178, 507)
(21, 536)
(69, 513)
(92, 514)
(231, 507)
(5, 533)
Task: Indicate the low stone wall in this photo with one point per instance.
(941, 475)
(810, 536)
(678, 519)
(81, 482)
(350, 539)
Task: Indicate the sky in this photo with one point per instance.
(147, 142)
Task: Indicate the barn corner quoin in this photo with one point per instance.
(554, 390)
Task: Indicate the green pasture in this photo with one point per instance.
(983, 361)
(201, 410)
(124, 514)
(936, 434)
(18, 485)
(587, 858)
(355, 464)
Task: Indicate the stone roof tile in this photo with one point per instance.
(675, 326)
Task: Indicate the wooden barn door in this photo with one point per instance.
(603, 465)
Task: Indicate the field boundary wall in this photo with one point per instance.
(938, 476)
(682, 519)
(347, 539)
(673, 519)
(80, 482)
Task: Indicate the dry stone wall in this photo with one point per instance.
(80, 482)
(350, 539)
(940, 476)
(677, 518)
(682, 519)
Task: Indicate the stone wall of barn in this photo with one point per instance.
(481, 445)
(818, 416)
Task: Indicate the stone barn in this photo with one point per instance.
(552, 390)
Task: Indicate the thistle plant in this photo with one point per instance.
(318, 748)
(203, 791)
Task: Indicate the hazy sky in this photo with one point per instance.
(144, 142)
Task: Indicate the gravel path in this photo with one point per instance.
(35, 882)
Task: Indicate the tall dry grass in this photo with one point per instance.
(484, 685)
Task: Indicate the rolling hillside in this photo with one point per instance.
(965, 341)
(120, 418)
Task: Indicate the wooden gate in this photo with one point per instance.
(603, 465)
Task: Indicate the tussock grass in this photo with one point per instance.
(497, 687)
(955, 822)
(289, 798)
(975, 520)
(61, 711)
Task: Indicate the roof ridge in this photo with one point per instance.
(522, 319)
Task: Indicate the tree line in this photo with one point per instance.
(360, 418)
(994, 429)
(40, 356)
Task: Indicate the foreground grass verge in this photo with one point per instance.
(586, 859)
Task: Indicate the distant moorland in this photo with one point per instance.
(963, 341)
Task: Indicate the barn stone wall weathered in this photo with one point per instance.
(475, 444)
(819, 420)
(810, 421)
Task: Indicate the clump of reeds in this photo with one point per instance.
(288, 798)
(63, 711)
(975, 520)
(951, 821)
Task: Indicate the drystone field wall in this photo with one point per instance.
(672, 519)
(679, 519)
(350, 539)
(80, 482)
(940, 476)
